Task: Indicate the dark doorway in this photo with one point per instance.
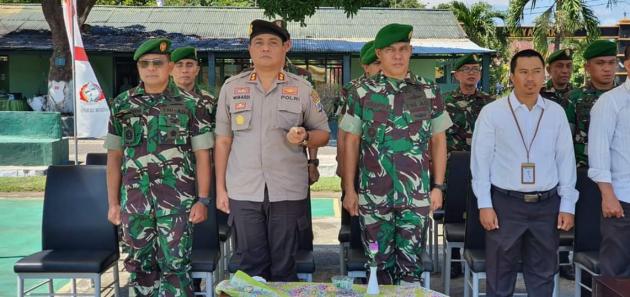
(126, 74)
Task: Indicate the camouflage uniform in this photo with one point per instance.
(557, 96)
(158, 135)
(395, 120)
(305, 74)
(463, 110)
(578, 108)
(342, 104)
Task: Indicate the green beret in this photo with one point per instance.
(467, 59)
(184, 53)
(258, 27)
(600, 48)
(153, 46)
(391, 34)
(368, 55)
(560, 55)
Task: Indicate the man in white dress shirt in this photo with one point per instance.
(523, 169)
(609, 160)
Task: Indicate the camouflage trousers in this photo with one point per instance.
(399, 229)
(159, 254)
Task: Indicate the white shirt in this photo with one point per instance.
(498, 151)
(609, 140)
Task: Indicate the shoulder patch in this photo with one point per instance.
(317, 102)
(237, 76)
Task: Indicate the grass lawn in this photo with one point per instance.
(327, 184)
(22, 184)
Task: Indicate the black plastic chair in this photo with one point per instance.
(96, 159)
(206, 253)
(77, 239)
(587, 239)
(458, 189)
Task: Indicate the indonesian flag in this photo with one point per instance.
(91, 112)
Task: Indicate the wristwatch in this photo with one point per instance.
(442, 187)
(314, 162)
(305, 141)
(204, 200)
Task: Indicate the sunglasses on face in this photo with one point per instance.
(467, 69)
(157, 63)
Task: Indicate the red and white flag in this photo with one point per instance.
(91, 112)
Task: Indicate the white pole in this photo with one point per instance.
(74, 84)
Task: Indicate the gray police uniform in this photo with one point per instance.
(267, 177)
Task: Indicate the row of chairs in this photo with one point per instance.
(80, 244)
(462, 230)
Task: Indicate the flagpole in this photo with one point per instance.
(74, 84)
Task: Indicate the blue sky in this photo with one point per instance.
(607, 16)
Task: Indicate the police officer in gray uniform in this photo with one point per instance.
(265, 118)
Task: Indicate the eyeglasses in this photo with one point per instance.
(467, 69)
(157, 63)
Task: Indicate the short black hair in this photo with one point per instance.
(524, 54)
(626, 52)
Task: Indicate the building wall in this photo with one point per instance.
(28, 73)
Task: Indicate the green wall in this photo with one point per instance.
(422, 67)
(28, 73)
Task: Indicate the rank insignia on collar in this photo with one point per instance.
(252, 76)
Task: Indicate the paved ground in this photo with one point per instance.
(325, 230)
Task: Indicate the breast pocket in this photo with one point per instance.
(132, 131)
(241, 114)
(173, 125)
(375, 122)
(288, 114)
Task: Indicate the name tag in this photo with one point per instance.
(528, 173)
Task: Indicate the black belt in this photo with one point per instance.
(528, 197)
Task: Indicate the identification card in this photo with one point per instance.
(528, 173)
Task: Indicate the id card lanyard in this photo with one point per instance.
(528, 169)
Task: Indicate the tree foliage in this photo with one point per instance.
(562, 18)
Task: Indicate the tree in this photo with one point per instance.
(478, 21)
(562, 18)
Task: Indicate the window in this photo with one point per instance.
(4, 75)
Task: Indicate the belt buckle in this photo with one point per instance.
(531, 198)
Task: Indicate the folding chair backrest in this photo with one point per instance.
(206, 234)
(475, 235)
(75, 209)
(587, 214)
(457, 180)
(96, 159)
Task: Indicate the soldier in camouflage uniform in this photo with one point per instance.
(395, 123)
(601, 64)
(371, 66)
(185, 75)
(158, 173)
(560, 68)
(464, 104)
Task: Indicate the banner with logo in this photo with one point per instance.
(91, 112)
